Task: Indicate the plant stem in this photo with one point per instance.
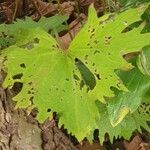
(16, 8)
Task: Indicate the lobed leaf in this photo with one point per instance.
(52, 79)
(10, 33)
(130, 123)
(128, 102)
(144, 61)
(49, 83)
(100, 45)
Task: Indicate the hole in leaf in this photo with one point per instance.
(29, 92)
(86, 57)
(17, 76)
(96, 42)
(31, 99)
(17, 87)
(93, 64)
(92, 35)
(98, 76)
(30, 83)
(36, 40)
(76, 60)
(48, 110)
(96, 51)
(23, 65)
(67, 79)
(76, 77)
(82, 83)
(109, 37)
(93, 30)
(30, 44)
(118, 85)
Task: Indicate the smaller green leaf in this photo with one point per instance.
(44, 23)
(10, 33)
(128, 102)
(143, 61)
(129, 124)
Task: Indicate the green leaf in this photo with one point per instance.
(44, 23)
(128, 102)
(146, 18)
(9, 32)
(143, 61)
(130, 123)
(100, 45)
(51, 78)
(49, 84)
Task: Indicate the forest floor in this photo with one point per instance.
(21, 131)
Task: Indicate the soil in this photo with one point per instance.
(19, 130)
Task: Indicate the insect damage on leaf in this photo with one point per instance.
(101, 44)
(70, 82)
(30, 44)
